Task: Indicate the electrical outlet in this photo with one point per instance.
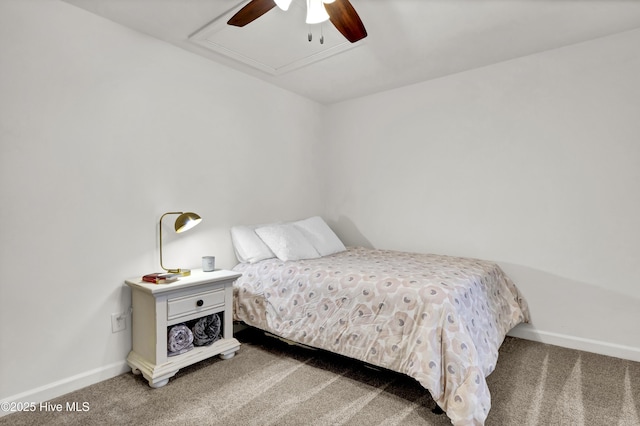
(118, 322)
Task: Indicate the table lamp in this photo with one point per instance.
(184, 222)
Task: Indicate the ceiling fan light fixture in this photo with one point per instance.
(284, 4)
(341, 13)
(316, 13)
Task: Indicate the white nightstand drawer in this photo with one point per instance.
(194, 303)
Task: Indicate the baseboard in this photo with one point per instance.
(526, 331)
(64, 386)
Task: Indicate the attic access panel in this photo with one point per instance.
(275, 43)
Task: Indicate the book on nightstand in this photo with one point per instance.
(160, 278)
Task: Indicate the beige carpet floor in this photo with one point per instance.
(271, 383)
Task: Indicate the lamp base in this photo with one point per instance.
(182, 272)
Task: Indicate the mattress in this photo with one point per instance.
(439, 319)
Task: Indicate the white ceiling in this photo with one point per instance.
(408, 40)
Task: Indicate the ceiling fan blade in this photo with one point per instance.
(346, 20)
(252, 11)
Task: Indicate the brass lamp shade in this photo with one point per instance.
(184, 222)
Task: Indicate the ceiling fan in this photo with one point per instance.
(340, 12)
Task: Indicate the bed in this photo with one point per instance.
(439, 319)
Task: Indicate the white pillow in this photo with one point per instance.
(248, 246)
(321, 237)
(287, 242)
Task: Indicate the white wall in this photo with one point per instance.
(101, 131)
(533, 163)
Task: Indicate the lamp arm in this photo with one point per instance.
(161, 217)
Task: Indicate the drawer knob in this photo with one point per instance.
(200, 302)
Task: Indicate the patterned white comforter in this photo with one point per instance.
(438, 319)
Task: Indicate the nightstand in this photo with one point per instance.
(157, 307)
